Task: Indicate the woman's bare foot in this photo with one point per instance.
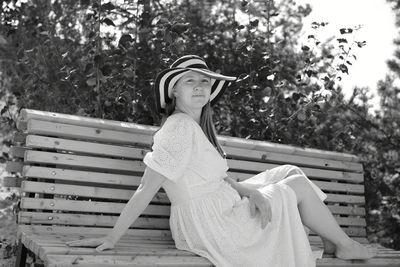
(353, 250)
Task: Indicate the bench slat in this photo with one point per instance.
(249, 154)
(27, 217)
(138, 166)
(91, 206)
(87, 206)
(131, 180)
(143, 261)
(111, 193)
(36, 141)
(85, 191)
(56, 230)
(86, 133)
(84, 176)
(28, 114)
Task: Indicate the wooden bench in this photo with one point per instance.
(76, 174)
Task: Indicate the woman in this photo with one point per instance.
(258, 222)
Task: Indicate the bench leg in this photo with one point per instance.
(21, 255)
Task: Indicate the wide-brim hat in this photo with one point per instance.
(166, 79)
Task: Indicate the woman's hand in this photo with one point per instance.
(258, 201)
(101, 243)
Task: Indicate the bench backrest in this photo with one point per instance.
(80, 171)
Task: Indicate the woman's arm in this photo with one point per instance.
(150, 184)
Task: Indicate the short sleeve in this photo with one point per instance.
(172, 148)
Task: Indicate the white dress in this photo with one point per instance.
(209, 218)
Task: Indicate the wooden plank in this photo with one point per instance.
(87, 206)
(14, 166)
(28, 114)
(86, 191)
(101, 207)
(284, 149)
(86, 133)
(110, 193)
(132, 180)
(160, 197)
(256, 167)
(83, 176)
(340, 187)
(255, 155)
(36, 141)
(139, 166)
(26, 217)
(10, 181)
(374, 262)
(107, 261)
(104, 164)
(84, 231)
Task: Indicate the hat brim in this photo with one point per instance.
(167, 78)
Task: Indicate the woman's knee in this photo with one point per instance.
(299, 185)
(293, 170)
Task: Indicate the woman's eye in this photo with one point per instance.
(189, 80)
(206, 81)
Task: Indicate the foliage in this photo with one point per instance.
(99, 59)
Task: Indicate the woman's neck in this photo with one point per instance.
(195, 115)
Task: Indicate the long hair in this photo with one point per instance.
(206, 124)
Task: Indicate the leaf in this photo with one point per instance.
(305, 48)
(342, 40)
(348, 62)
(180, 27)
(302, 116)
(91, 81)
(107, 6)
(310, 73)
(85, 2)
(254, 23)
(271, 77)
(244, 3)
(108, 21)
(63, 56)
(343, 68)
(345, 30)
(361, 44)
(4, 109)
(311, 36)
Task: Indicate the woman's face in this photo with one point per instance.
(192, 91)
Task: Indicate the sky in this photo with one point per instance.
(378, 30)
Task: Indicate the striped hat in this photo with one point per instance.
(167, 78)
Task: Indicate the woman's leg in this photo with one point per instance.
(316, 216)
